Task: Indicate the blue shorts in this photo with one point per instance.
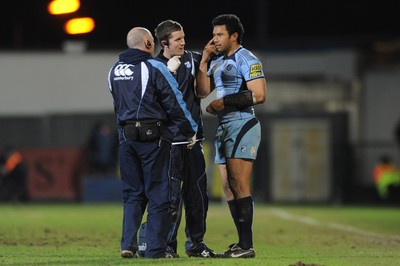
(237, 139)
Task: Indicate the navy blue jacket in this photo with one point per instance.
(144, 89)
(186, 75)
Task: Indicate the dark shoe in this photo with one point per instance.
(201, 251)
(235, 251)
(128, 254)
(171, 255)
(170, 249)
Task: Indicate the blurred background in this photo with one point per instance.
(332, 111)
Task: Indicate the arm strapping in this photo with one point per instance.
(240, 100)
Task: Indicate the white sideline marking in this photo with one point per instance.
(311, 221)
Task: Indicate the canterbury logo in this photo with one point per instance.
(123, 70)
(142, 247)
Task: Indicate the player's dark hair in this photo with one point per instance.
(232, 24)
(164, 30)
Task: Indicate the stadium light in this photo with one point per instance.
(59, 7)
(79, 25)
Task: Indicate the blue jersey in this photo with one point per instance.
(230, 75)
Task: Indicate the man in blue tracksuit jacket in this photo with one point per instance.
(188, 169)
(148, 108)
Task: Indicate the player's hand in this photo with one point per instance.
(215, 106)
(209, 49)
(192, 142)
(173, 63)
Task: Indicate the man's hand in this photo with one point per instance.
(173, 63)
(192, 142)
(209, 49)
(215, 106)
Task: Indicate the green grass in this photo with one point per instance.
(89, 234)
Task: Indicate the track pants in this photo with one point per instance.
(189, 187)
(144, 170)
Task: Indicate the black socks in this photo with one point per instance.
(242, 214)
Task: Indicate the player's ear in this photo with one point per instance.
(148, 44)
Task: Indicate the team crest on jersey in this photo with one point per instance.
(243, 149)
(188, 64)
(255, 70)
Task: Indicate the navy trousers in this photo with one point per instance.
(144, 170)
(188, 188)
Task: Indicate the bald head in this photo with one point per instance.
(140, 38)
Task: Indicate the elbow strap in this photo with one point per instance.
(240, 100)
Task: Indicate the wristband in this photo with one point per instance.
(240, 100)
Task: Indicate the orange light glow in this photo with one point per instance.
(79, 25)
(58, 7)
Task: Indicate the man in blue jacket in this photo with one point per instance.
(148, 108)
(188, 170)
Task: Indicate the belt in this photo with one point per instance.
(141, 123)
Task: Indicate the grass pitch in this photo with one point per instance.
(89, 234)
